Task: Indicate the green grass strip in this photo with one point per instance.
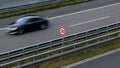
(41, 8)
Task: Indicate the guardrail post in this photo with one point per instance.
(33, 59)
(33, 65)
(74, 46)
(18, 63)
(86, 37)
(38, 48)
(62, 43)
(50, 44)
(118, 27)
(8, 57)
(75, 41)
(48, 54)
(23, 53)
(75, 38)
(107, 29)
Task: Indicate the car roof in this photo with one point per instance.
(24, 19)
(31, 17)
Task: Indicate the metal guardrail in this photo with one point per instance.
(25, 4)
(56, 42)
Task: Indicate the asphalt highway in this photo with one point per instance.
(57, 11)
(74, 23)
(109, 61)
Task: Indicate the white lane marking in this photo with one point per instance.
(91, 58)
(89, 21)
(85, 11)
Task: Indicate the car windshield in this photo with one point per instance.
(21, 21)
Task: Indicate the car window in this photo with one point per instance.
(33, 20)
(21, 21)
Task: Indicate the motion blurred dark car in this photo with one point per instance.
(28, 23)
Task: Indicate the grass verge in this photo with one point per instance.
(57, 63)
(41, 8)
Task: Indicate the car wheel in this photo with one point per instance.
(21, 31)
(43, 26)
